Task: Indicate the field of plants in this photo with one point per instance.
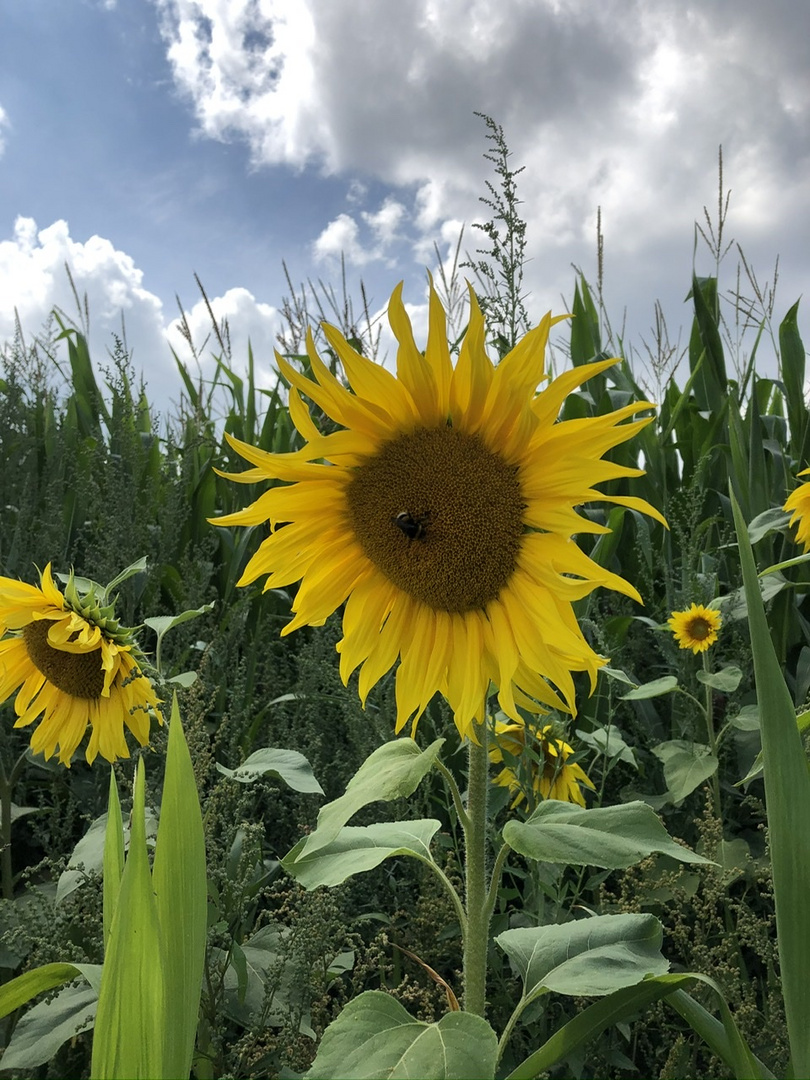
(587, 891)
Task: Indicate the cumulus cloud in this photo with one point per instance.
(241, 320)
(359, 244)
(33, 270)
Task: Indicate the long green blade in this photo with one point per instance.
(787, 797)
(113, 864)
(128, 1038)
(20, 990)
(181, 896)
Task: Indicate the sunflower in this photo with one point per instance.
(552, 775)
(442, 515)
(70, 662)
(799, 502)
(695, 629)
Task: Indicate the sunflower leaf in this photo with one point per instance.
(393, 771)
(162, 623)
(357, 849)
(612, 837)
(726, 681)
(652, 689)
(48, 1025)
(686, 766)
(286, 765)
(375, 1036)
(588, 957)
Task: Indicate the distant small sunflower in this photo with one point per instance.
(71, 664)
(695, 629)
(553, 776)
(442, 515)
(799, 502)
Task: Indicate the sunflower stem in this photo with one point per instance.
(713, 744)
(476, 941)
(6, 788)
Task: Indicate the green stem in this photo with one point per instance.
(447, 883)
(451, 783)
(713, 744)
(476, 941)
(6, 788)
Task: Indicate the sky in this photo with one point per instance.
(144, 142)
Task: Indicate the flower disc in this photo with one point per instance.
(463, 501)
(78, 674)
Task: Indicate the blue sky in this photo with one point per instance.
(144, 141)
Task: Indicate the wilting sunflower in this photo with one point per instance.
(552, 775)
(72, 664)
(443, 516)
(799, 502)
(695, 629)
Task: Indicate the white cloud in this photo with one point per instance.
(385, 222)
(32, 270)
(343, 235)
(248, 321)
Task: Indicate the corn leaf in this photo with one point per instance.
(131, 1004)
(787, 795)
(181, 896)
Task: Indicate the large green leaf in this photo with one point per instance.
(787, 797)
(131, 1003)
(612, 837)
(286, 765)
(393, 771)
(48, 1025)
(179, 881)
(589, 957)
(686, 766)
(355, 850)
(726, 680)
(375, 1037)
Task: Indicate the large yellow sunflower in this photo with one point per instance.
(443, 515)
(70, 662)
(799, 502)
(553, 776)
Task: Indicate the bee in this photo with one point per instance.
(414, 527)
